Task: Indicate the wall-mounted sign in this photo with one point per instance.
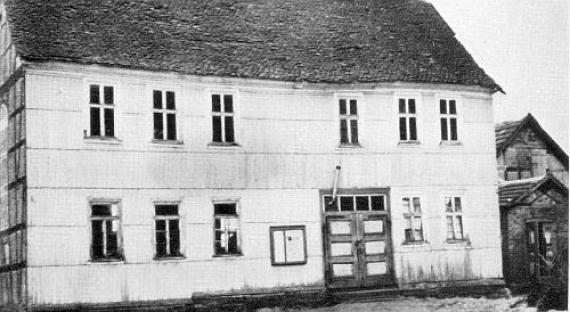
(288, 245)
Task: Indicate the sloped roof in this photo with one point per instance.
(340, 41)
(506, 132)
(513, 192)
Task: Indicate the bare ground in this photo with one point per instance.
(515, 304)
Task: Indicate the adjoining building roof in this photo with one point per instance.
(332, 41)
(513, 192)
(506, 132)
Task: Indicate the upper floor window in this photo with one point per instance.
(226, 229)
(448, 120)
(164, 108)
(413, 229)
(407, 119)
(167, 227)
(223, 118)
(454, 218)
(102, 111)
(348, 115)
(105, 232)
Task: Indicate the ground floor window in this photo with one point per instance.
(105, 232)
(226, 229)
(167, 227)
(413, 219)
(454, 218)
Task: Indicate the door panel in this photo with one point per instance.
(358, 250)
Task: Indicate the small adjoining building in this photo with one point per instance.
(160, 150)
(533, 198)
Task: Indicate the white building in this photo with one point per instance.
(163, 149)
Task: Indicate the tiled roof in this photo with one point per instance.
(509, 191)
(507, 131)
(512, 192)
(340, 41)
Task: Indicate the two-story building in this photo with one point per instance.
(155, 150)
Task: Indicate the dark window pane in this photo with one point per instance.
(413, 131)
(228, 103)
(378, 203)
(225, 209)
(362, 203)
(411, 106)
(229, 127)
(417, 205)
(442, 106)
(166, 210)
(343, 131)
(109, 122)
(112, 237)
(443, 123)
(458, 227)
(458, 204)
(97, 237)
(217, 224)
(232, 242)
(402, 106)
(171, 124)
(161, 225)
(170, 102)
(157, 99)
(403, 131)
(353, 110)
(95, 117)
(346, 203)
(354, 131)
(174, 238)
(215, 102)
(409, 235)
(342, 106)
(94, 94)
(448, 204)
(158, 127)
(329, 204)
(216, 128)
(108, 95)
(452, 107)
(218, 248)
(160, 243)
(100, 210)
(453, 128)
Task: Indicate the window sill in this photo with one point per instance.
(450, 143)
(223, 145)
(102, 140)
(228, 256)
(167, 143)
(415, 243)
(349, 145)
(169, 258)
(107, 261)
(409, 143)
(458, 242)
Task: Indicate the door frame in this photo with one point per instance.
(385, 191)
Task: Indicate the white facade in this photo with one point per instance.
(288, 148)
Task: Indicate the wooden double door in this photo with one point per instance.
(357, 248)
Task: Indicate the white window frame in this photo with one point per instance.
(454, 214)
(101, 106)
(448, 116)
(164, 111)
(348, 117)
(114, 217)
(180, 219)
(411, 215)
(222, 114)
(417, 97)
(237, 216)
